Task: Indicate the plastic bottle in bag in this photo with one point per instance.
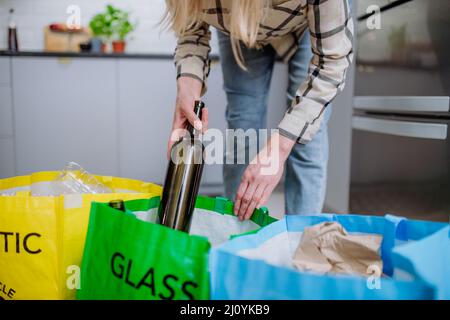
(75, 180)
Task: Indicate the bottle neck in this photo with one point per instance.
(191, 130)
(198, 108)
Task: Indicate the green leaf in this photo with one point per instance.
(113, 23)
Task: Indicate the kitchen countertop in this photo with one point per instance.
(90, 55)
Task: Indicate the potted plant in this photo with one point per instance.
(112, 25)
(101, 29)
(121, 27)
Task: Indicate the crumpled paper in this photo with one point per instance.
(329, 248)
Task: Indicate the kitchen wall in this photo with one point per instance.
(33, 15)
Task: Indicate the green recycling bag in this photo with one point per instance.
(129, 256)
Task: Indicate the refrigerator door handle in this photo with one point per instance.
(402, 103)
(436, 131)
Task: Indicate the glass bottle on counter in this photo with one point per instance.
(183, 178)
(13, 42)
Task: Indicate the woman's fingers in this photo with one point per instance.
(257, 186)
(182, 117)
(247, 199)
(205, 119)
(175, 135)
(193, 119)
(266, 195)
(255, 201)
(240, 193)
(177, 124)
(169, 149)
(172, 140)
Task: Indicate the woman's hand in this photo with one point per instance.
(262, 176)
(188, 91)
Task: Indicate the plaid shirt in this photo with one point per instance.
(331, 28)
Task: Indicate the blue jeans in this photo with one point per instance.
(247, 94)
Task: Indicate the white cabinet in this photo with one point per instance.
(5, 74)
(146, 100)
(7, 167)
(65, 110)
(6, 114)
(6, 117)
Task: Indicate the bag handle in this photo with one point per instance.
(223, 205)
(394, 228)
(220, 205)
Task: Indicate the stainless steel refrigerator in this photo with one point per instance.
(401, 150)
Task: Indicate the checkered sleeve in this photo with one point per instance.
(331, 28)
(192, 54)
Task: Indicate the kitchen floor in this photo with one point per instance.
(418, 202)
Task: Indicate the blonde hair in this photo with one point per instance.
(245, 19)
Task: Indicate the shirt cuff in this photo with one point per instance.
(195, 70)
(294, 128)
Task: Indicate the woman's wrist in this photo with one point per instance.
(189, 86)
(282, 145)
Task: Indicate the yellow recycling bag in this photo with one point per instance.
(42, 237)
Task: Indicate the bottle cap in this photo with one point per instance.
(199, 104)
(198, 107)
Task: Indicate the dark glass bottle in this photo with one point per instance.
(13, 42)
(117, 204)
(183, 178)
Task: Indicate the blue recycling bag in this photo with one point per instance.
(428, 260)
(258, 266)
